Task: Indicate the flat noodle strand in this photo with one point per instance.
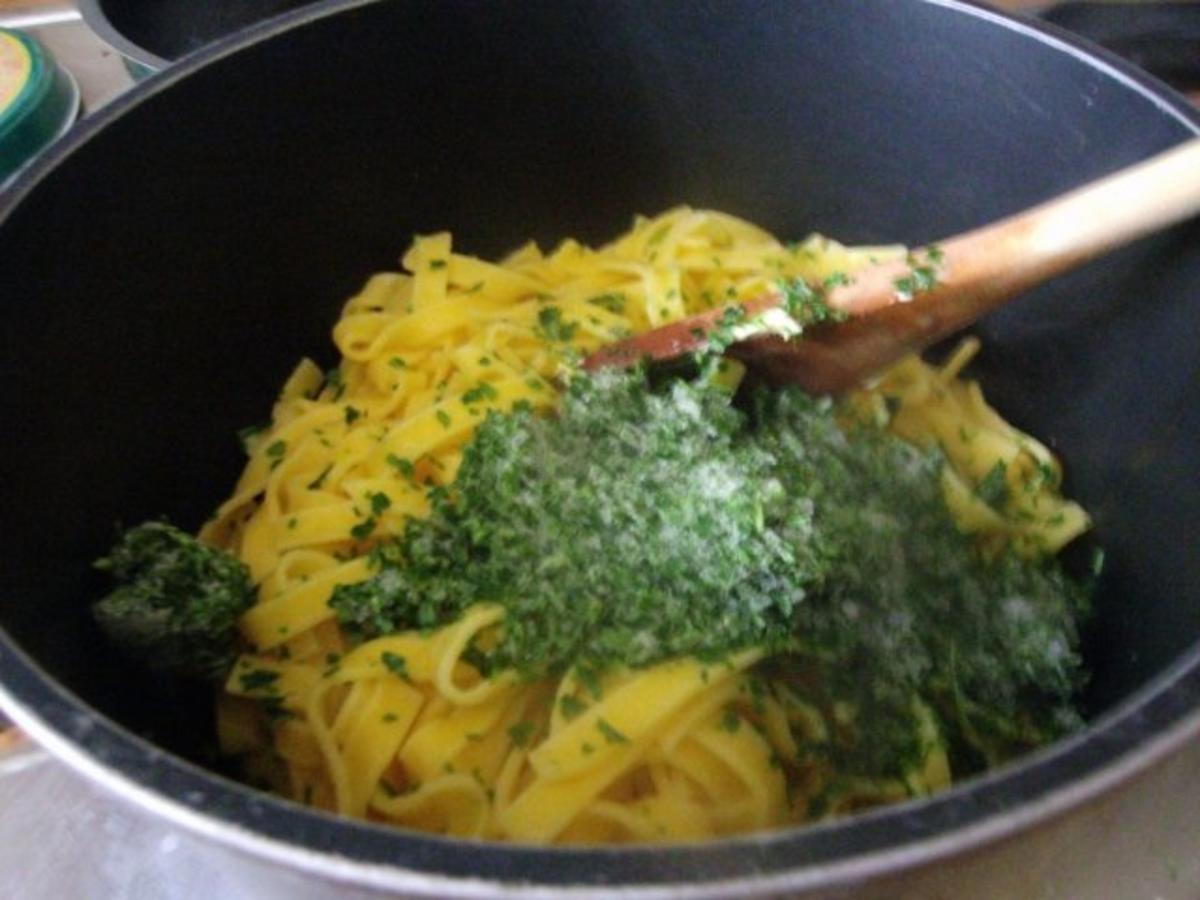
(403, 728)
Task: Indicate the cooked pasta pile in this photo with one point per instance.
(403, 728)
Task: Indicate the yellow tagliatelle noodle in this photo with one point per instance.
(403, 729)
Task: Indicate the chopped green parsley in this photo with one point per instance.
(248, 434)
(571, 706)
(610, 733)
(395, 663)
(642, 524)
(552, 326)
(922, 274)
(521, 732)
(317, 482)
(401, 465)
(993, 489)
(276, 451)
(614, 302)
(335, 383)
(482, 391)
(257, 679)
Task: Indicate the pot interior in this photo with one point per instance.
(163, 273)
(170, 29)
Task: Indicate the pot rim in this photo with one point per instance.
(96, 19)
(1115, 748)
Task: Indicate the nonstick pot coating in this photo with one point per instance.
(156, 32)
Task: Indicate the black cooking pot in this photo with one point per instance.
(165, 266)
(153, 33)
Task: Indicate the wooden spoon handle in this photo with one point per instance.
(905, 305)
(992, 263)
(979, 271)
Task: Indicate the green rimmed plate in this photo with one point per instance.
(38, 100)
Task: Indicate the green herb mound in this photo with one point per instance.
(178, 603)
(639, 525)
(633, 527)
(909, 608)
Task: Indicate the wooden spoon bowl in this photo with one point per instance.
(902, 306)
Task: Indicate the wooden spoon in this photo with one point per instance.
(893, 310)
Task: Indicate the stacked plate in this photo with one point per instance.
(38, 100)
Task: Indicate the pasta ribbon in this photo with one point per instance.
(404, 728)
